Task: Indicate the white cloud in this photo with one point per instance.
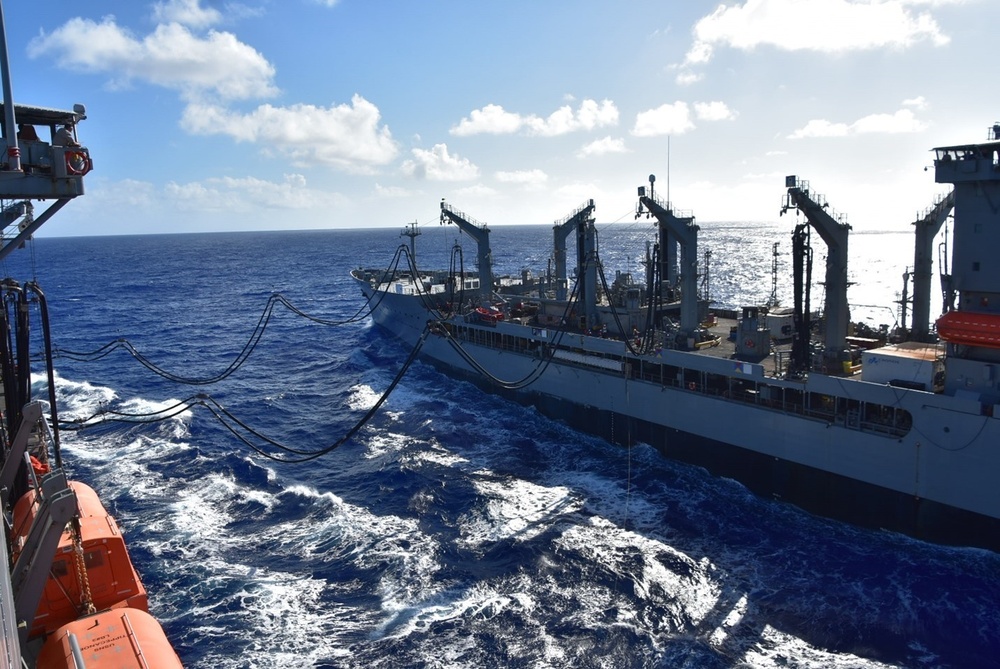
(171, 56)
(187, 12)
(830, 26)
(491, 119)
(392, 191)
(686, 78)
(494, 119)
(713, 111)
(667, 119)
(602, 147)
(248, 194)
(439, 165)
(476, 190)
(821, 128)
(530, 179)
(348, 137)
(902, 121)
(919, 102)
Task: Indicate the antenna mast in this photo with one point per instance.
(412, 231)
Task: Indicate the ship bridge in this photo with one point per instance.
(972, 327)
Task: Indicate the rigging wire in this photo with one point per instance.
(235, 425)
(534, 374)
(252, 342)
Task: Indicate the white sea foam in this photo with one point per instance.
(513, 510)
(777, 649)
(385, 443)
(683, 585)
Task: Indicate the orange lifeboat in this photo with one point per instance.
(971, 328)
(120, 639)
(112, 579)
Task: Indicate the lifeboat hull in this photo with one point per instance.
(121, 639)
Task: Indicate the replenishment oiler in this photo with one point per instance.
(69, 594)
(897, 430)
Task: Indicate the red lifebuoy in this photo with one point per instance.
(749, 343)
(77, 163)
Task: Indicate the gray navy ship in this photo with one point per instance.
(896, 430)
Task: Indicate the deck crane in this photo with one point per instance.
(484, 256)
(579, 219)
(927, 228)
(834, 232)
(680, 228)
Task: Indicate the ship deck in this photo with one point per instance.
(772, 362)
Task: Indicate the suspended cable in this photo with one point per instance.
(234, 424)
(248, 348)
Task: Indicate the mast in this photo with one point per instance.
(10, 122)
(412, 231)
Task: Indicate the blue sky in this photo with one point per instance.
(261, 114)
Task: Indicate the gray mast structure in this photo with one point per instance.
(927, 228)
(834, 233)
(560, 231)
(676, 227)
(484, 256)
(412, 231)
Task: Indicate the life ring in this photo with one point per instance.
(77, 163)
(692, 386)
(749, 343)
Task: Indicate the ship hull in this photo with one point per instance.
(932, 479)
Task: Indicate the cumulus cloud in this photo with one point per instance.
(392, 191)
(187, 12)
(494, 119)
(602, 147)
(171, 56)
(667, 119)
(345, 136)
(475, 190)
(713, 111)
(248, 194)
(439, 165)
(530, 179)
(831, 26)
(903, 121)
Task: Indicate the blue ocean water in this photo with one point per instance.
(456, 529)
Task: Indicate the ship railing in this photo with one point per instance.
(818, 198)
(668, 205)
(576, 212)
(462, 215)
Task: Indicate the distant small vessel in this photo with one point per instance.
(889, 430)
(69, 594)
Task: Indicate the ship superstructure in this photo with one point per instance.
(896, 433)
